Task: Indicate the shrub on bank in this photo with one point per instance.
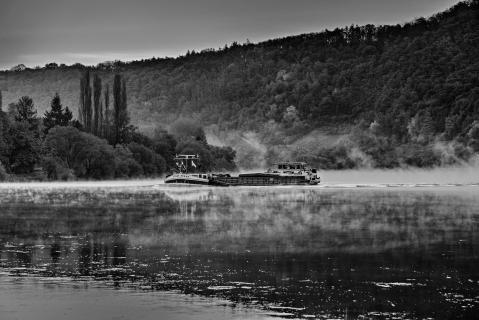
(151, 163)
(86, 155)
(55, 169)
(125, 165)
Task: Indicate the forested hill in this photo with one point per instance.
(380, 96)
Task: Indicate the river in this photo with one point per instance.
(144, 251)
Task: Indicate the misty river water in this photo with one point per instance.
(176, 252)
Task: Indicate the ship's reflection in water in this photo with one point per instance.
(293, 252)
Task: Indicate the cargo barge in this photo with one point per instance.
(283, 173)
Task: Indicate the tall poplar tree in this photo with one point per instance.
(96, 105)
(106, 119)
(88, 105)
(85, 113)
(81, 108)
(116, 107)
(100, 119)
(120, 109)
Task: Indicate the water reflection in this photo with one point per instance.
(295, 251)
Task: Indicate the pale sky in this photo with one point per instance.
(35, 32)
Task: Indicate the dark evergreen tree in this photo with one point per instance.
(24, 135)
(57, 116)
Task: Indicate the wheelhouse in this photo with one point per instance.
(187, 162)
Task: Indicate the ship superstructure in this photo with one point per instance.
(187, 166)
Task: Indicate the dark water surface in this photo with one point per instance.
(380, 253)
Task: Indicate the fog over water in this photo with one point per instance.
(448, 176)
(442, 176)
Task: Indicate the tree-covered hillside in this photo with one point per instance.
(380, 96)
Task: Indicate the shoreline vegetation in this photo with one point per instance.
(101, 145)
(392, 96)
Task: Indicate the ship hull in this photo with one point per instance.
(247, 179)
(187, 179)
(263, 179)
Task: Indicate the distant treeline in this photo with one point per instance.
(101, 145)
(400, 95)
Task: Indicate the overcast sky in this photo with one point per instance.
(34, 32)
